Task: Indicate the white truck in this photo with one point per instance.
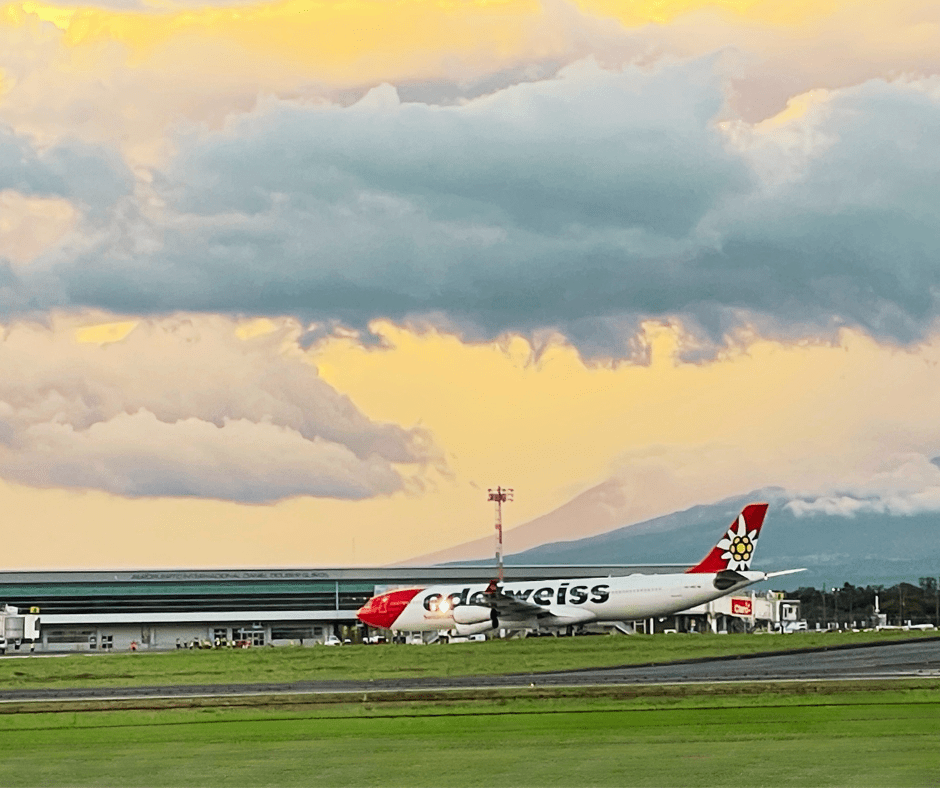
(17, 628)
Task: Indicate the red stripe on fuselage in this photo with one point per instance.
(381, 611)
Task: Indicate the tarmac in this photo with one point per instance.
(918, 658)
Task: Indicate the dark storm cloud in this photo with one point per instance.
(855, 237)
(89, 175)
(581, 204)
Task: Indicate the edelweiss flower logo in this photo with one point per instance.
(738, 545)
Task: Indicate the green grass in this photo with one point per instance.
(395, 661)
(852, 734)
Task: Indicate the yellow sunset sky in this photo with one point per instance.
(295, 283)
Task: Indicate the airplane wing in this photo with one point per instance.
(508, 606)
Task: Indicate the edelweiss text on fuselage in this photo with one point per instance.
(545, 596)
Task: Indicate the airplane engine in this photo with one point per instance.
(472, 614)
(473, 629)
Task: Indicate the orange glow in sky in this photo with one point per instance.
(293, 283)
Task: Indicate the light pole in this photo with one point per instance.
(500, 495)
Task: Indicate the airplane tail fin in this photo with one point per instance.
(736, 548)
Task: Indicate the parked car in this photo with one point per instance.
(332, 640)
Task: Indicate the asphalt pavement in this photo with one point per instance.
(912, 659)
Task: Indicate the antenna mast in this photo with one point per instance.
(500, 494)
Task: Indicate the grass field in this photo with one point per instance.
(854, 734)
(289, 664)
(805, 734)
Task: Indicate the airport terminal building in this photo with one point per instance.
(166, 609)
(159, 609)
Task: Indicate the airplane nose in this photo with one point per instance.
(382, 611)
(374, 612)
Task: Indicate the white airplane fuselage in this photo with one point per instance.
(469, 609)
(564, 602)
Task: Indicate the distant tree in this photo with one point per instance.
(854, 605)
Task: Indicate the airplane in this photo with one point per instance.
(469, 609)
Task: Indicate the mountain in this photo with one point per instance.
(865, 549)
(604, 506)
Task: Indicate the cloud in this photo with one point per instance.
(30, 225)
(773, 51)
(91, 176)
(851, 232)
(903, 485)
(63, 8)
(581, 205)
(850, 506)
(78, 71)
(139, 455)
(182, 407)
(534, 207)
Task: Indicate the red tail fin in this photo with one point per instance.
(736, 547)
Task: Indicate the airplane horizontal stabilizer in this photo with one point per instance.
(768, 575)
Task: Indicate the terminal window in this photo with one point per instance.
(253, 636)
(70, 635)
(295, 632)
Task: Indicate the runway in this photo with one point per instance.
(911, 659)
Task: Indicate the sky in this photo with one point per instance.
(295, 283)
